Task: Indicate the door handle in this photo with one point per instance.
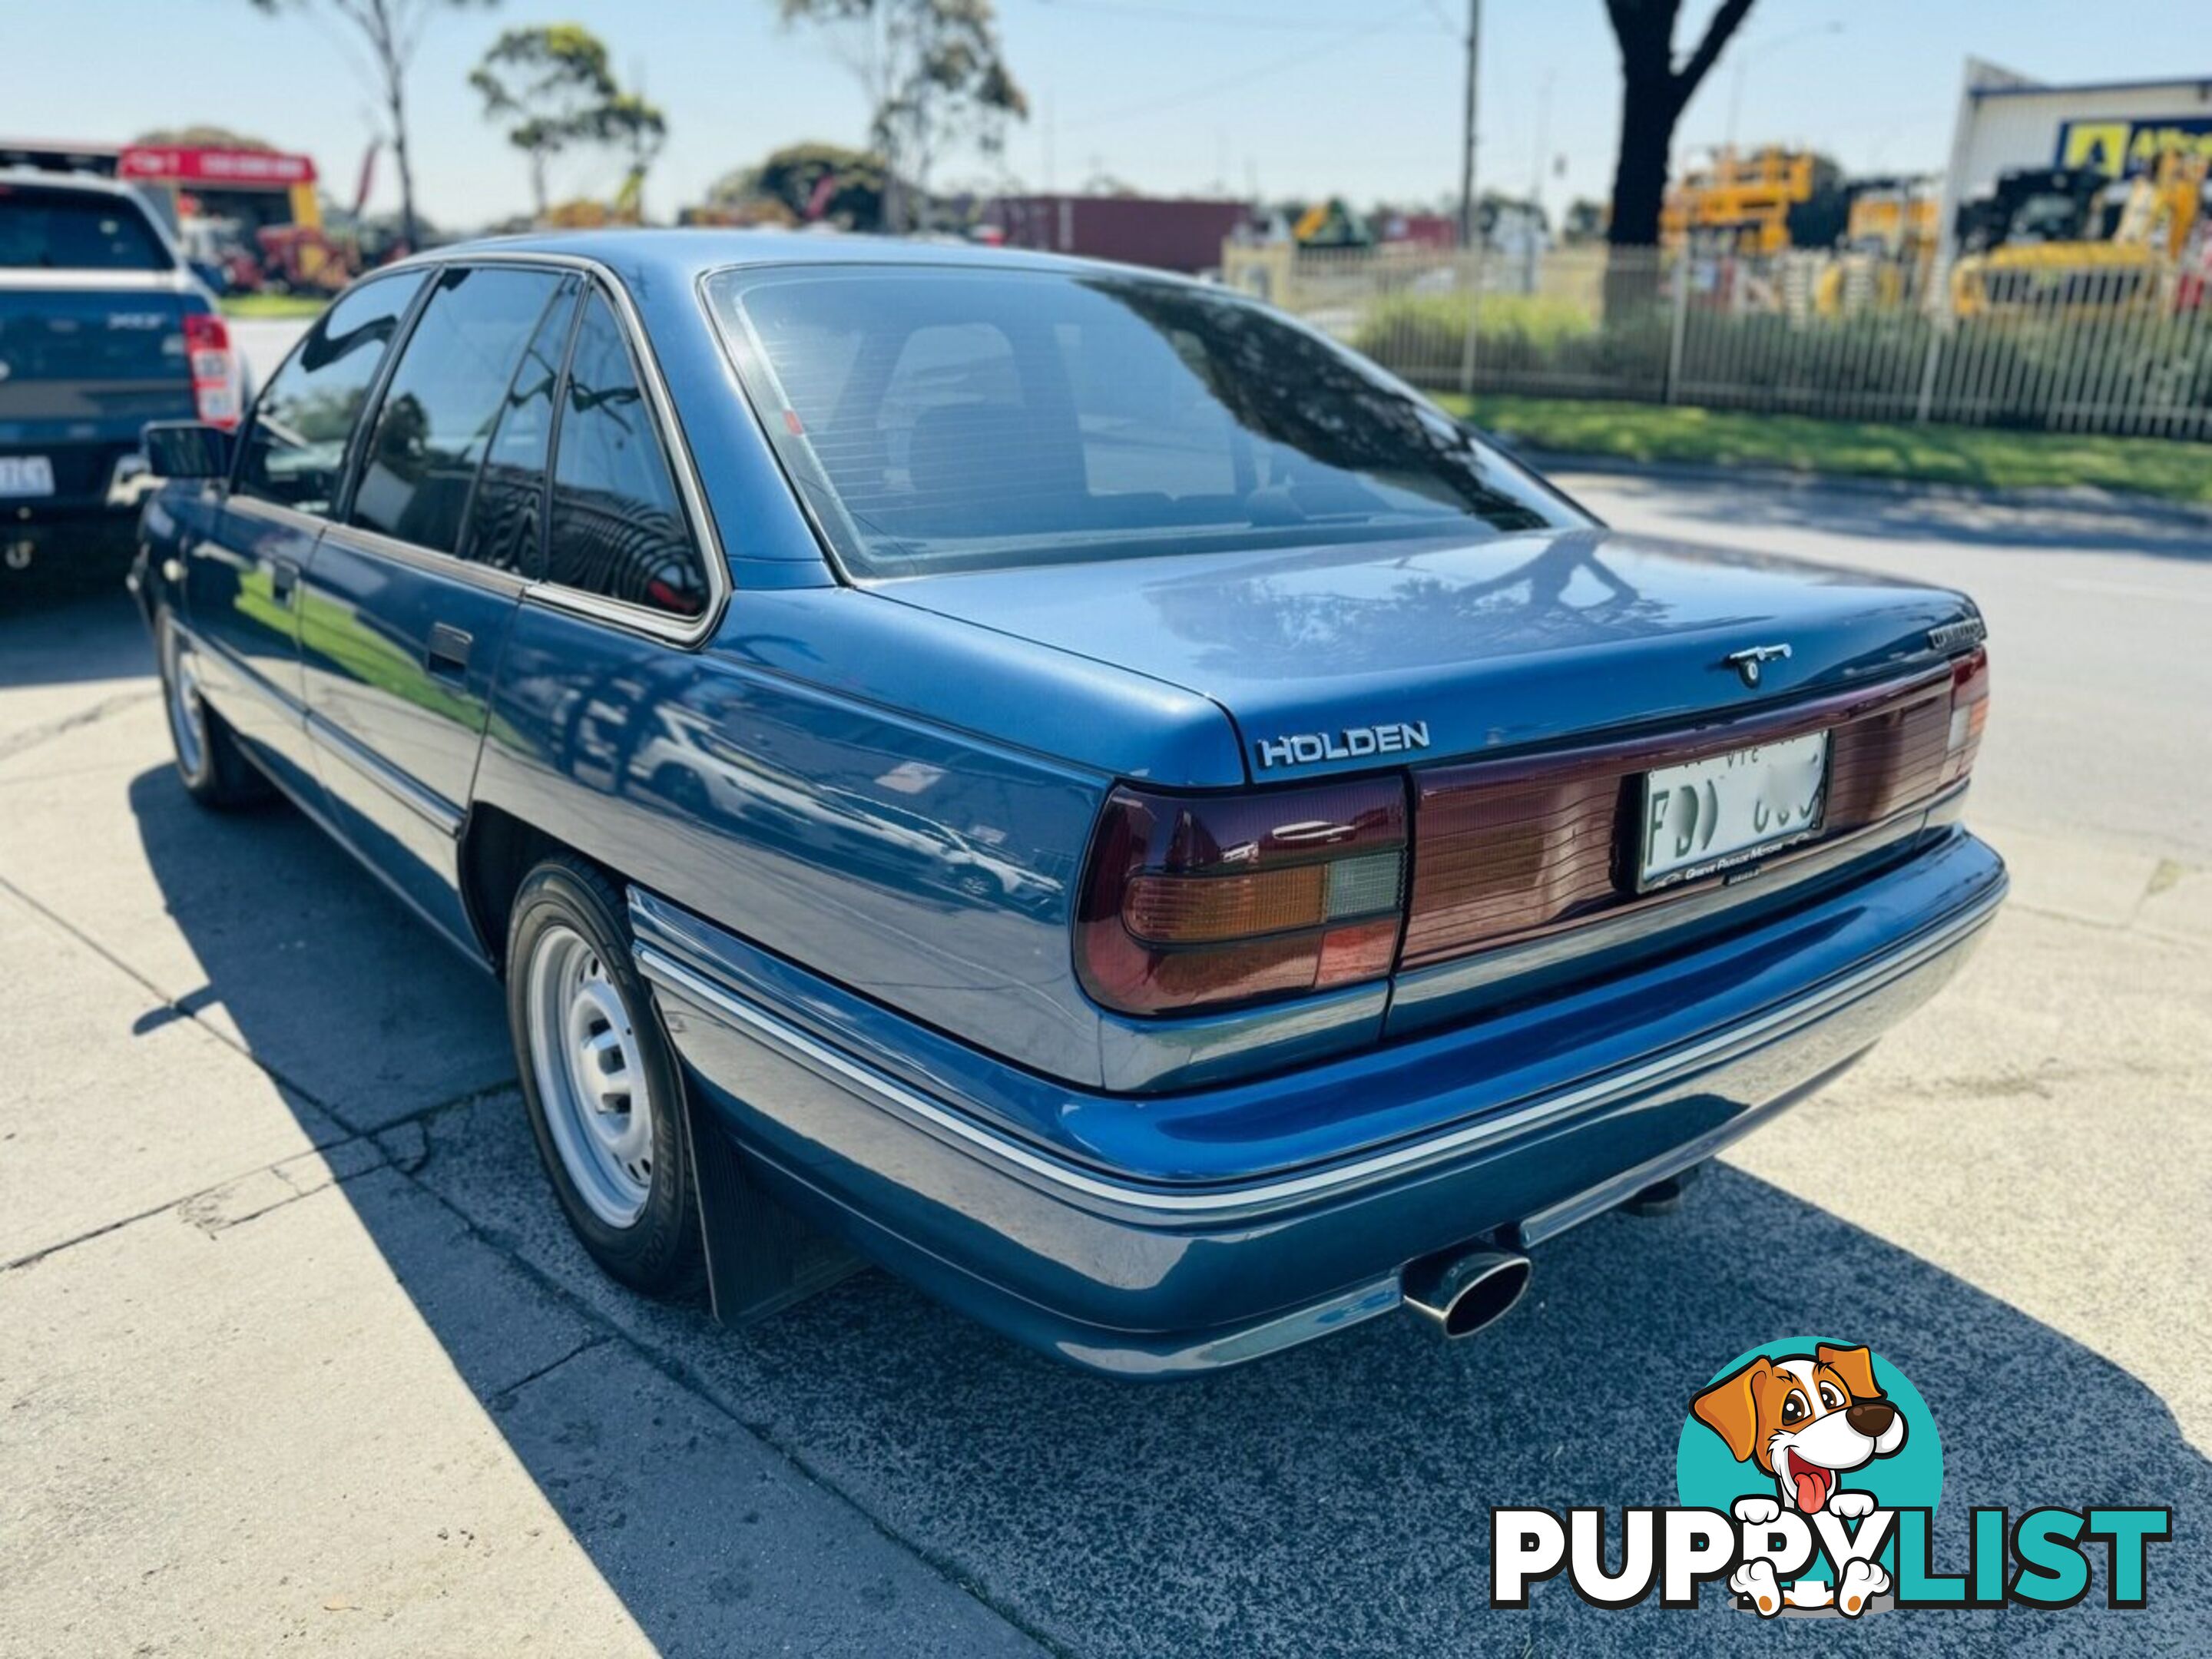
(283, 579)
(446, 655)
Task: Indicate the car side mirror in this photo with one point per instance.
(186, 449)
(213, 278)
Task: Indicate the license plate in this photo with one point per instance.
(1714, 814)
(26, 475)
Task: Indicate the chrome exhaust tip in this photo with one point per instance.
(1463, 1293)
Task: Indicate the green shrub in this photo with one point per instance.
(1519, 336)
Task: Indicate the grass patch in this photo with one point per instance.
(1975, 456)
(1433, 327)
(272, 305)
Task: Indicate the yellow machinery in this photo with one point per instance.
(1895, 218)
(2058, 240)
(1329, 224)
(1740, 203)
(1889, 232)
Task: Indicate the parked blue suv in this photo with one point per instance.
(104, 325)
(1053, 779)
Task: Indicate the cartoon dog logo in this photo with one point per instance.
(1806, 1420)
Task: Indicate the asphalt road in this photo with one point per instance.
(297, 1350)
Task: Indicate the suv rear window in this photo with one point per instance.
(948, 418)
(43, 229)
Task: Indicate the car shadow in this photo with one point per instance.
(69, 634)
(1334, 1500)
(2096, 524)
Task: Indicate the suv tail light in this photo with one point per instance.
(215, 386)
(1970, 712)
(1197, 902)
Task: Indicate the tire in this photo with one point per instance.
(208, 757)
(586, 1035)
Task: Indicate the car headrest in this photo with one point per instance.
(973, 468)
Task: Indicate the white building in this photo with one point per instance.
(2007, 121)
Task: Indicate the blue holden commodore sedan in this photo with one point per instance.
(1053, 779)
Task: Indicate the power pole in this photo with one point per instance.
(1467, 132)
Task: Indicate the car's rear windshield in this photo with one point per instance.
(950, 418)
(46, 229)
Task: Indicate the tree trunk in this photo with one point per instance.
(538, 182)
(406, 170)
(892, 213)
(1652, 95)
(1648, 113)
(383, 38)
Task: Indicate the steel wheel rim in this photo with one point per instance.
(187, 715)
(588, 1065)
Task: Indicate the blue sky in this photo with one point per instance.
(1358, 98)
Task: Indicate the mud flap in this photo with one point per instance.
(760, 1258)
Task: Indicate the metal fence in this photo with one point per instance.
(2121, 346)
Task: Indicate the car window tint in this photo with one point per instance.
(75, 230)
(1148, 429)
(448, 387)
(965, 418)
(506, 513)
(617, 527)
(295, 447)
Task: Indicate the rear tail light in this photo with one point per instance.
(214, 384)
(1191, 903)
(1199, 902)
(1970, 712)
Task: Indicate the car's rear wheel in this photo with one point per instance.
(606, 1094)
(213, 766)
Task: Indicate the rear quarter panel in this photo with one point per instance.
(813, 781)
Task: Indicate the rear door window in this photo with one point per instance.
(445, 395)
(506, 515)
(617, 525)
(295, 450)
(44, 229)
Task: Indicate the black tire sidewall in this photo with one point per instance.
(227, 780)
(659, 1253)
(200, 784)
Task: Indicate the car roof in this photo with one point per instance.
(55, 179)
(685, 253)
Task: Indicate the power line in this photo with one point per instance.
(1246, 77)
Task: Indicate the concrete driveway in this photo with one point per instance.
(295, 1348)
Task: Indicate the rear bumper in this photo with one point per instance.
(92, 516)
(897, 1141)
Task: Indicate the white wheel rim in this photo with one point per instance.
(588, 1065)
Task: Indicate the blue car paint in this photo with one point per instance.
(1493, 646)
(244, 553)
(358, 598)
(857, 812)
